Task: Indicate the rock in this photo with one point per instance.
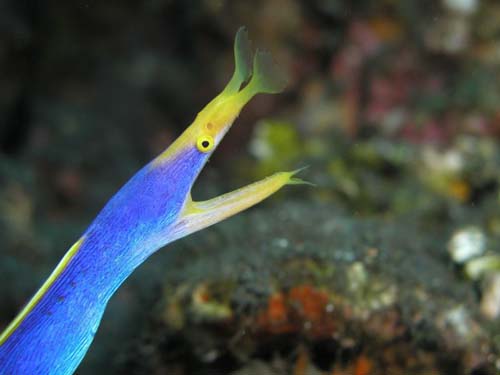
(490, 300)
(466, 243)
(341, 284)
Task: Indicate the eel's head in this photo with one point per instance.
(163, 191)
(250, 77)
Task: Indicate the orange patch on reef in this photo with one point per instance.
(302, 308)
(302, 363)
(277, 310)
(311, 302)
(275, 318)
(363, 366)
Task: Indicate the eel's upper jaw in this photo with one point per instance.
(250, 77)
(261, 75)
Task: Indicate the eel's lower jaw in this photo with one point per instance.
(199, 215)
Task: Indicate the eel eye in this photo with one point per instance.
(205, 143)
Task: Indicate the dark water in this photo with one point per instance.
(389, 265)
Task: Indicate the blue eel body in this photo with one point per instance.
(64, 322)
(55, 329)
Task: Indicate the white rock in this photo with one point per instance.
(467, 243)
(462, 6)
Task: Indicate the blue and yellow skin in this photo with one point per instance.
(55, 329)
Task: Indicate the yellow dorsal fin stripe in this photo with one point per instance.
(41, 292)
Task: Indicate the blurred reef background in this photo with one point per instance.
(390, 265)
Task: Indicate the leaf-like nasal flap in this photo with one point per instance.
(267, 76)
(243, 55)
(251, 77)
(242, 61)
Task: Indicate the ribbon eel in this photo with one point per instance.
(56, 327)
